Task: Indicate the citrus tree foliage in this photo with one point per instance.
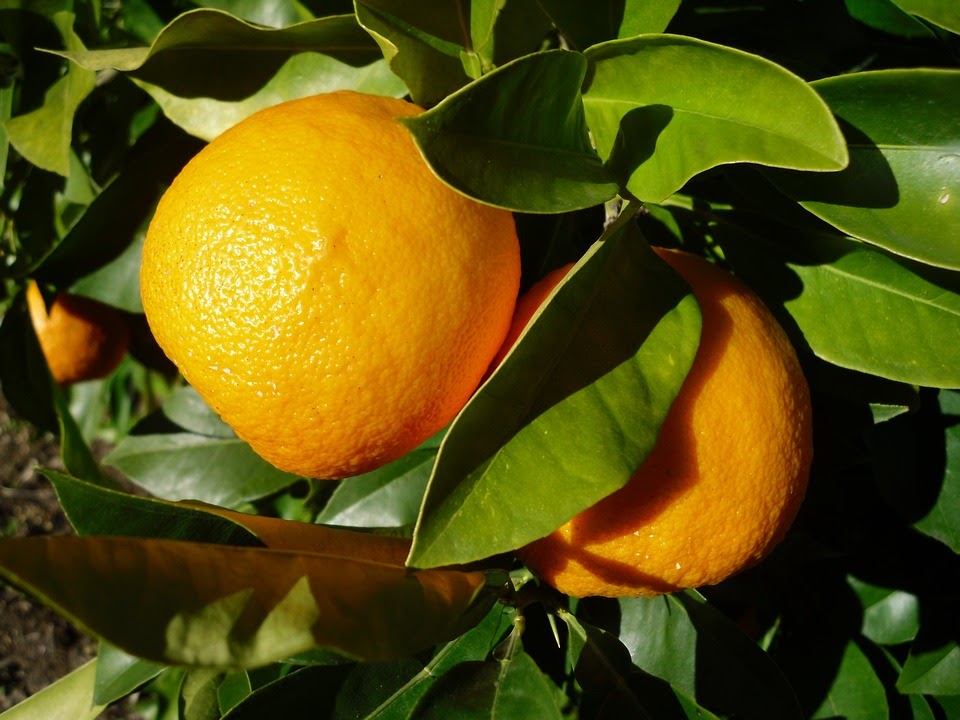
(811, 147)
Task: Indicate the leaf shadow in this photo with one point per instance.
(636, 139)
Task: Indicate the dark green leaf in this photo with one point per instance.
(856, 692)
(184, 466)
(890, 617)
(663, 108)
(199, 604)
(682, 639)
(944, 13)
(24, 377)
(119, 674)
(94, 510)
(517, 139)
(422, 42)
(844, 295)
(118, 282)
(904, 139)
(942, 519)
(884, 15)
(233, 689)
(932, 669)
(586, 24)
(269, 13)
(571, 412)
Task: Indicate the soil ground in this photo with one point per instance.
(37, 646)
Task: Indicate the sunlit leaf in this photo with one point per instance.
(199, 604)
(890, 617)
(69, 698)
(517, 139)
(44, 136)
(185, 466)
(945, 13)
(186, 408)
(842, 295)
(663, 108)
(932, 669)
(571, 413)
(210, 53)
(904, 139)
(119, 674)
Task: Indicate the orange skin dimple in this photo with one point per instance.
(726, 477)
(323, 291)
(81, 339)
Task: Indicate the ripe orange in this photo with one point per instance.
(322, 290)
(81, 339)
(728, 472)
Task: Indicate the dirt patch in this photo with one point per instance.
(37, 646)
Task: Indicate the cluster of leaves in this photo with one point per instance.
(811, 147)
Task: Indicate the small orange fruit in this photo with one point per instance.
(324, 292)
(728, 472)
(81, 339)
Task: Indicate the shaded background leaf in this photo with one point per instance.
(584, 25)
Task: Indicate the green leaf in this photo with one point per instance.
(210, 53)
(944, 13)
(890, 617)
(682, 639)
(572, 411)
(884, 15)
(119, 674)
(24, 376)
(585, 24)
(422, 42)
(387, 497)
(233, 689)
(932, 669)
(199, 604)
(186, 408)
(269, 13)
(901, 190)
(44, 136)
(612, 683)
(841, 294)
(69, 698)
(504, 30)
(179, 466)
(663, 108)
(856, 692)
(517, 139)
(513, 687)
(302, 75)
(942, 519)
(94, 510)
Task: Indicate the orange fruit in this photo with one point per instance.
(322, 290)
(728, 472)
(81, 339)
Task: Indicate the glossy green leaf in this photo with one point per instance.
(856, 693)
(185, 466)
(572, 411)
(94, 510)
(422, 42)
(904, 138)
(210, 53)
(186, 408)
(945, 13)
(586, 24)
(119, 674)
(44, 135)
(942, 519)
(517, 139)
(932, 669)
(503, 30)
(76, 455)
(890, 617)
(233, 689)
(663, 108)
(199, 604)
(602, 666)
(302, 75)
(389, 496)
(69, 698)
(513, 687)
(118, 282)
(269, 13)
(682, 639)
(842, 295)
